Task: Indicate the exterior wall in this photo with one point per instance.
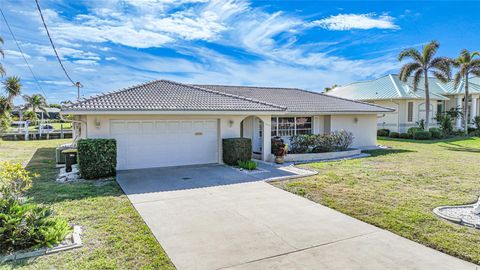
(363, 127)
(398, 120)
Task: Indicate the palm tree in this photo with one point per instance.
(466, 65)
(35, 103)
(13, 88)
(423, 64)
(2, 70)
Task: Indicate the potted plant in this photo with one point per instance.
(279, 149)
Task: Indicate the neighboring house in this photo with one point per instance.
(53, 113)
(409, 105)
(165, 123)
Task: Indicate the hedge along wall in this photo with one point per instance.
(97, 158)
(235, 149)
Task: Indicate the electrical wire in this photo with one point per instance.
(53, 45)
(22, 53)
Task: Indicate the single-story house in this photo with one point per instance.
(409, 105)
(166, 123)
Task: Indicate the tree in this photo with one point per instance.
(13, 88)
(2, 70)
(423, 64)
(35, 103)
(326, 89)
(466, 65)
(5, 119)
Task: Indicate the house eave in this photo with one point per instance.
(153, 112)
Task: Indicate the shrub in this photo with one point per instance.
(446, 123)
(422, 135)
(97, 158)
(383, 132)
(476, 122)
(436, 133)
(411, 131)
(278, 146)
(394, 135)
(14, 180)
(404, 136)
(247, 164)
(236, 149)
(26, 225)
(342, 139)
(337, 141)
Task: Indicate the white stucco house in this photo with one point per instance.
(409, 105)
(166, 123)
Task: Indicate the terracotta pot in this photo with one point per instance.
(279, 159)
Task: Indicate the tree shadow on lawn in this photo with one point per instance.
(454, 139)
(46, 190)
(459, 148)
(389, 151)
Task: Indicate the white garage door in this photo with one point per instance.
(161, 143)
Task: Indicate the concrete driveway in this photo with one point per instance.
(215, 217)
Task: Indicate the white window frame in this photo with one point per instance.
(294, 124)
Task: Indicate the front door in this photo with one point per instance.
(257, 135)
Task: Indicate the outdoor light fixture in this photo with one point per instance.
(97, 123)
(355, 120)
(230, 122)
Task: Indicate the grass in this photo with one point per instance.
(114, 235)
(396, 189)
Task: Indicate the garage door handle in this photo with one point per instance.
(198, 133)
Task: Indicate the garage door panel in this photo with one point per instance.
(159, 143)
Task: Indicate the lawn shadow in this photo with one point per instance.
(46, 190)
(388, 151)
(459, 148)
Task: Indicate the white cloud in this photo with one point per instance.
(112, 58)
(343, 22)
(86, 62)
(62, 83)
(12, 53)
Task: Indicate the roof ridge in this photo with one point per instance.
(198, 86)
(229, 85)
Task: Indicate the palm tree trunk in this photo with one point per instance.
(427, 101)
(465, 105)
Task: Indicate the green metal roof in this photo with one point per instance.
(391, 87)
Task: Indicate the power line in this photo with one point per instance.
(53, 45)
(21, 52)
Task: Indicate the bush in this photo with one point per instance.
(404, 136)
(279, 148)
(446, 123)
(383, 132)
(337, 141)
(411, 131)
(236, 149)
(422, 135)
(436, 133)
(14, 180)
(394, 135)
(247, 165)
(476, 122)
(27, 225)
(97, 158)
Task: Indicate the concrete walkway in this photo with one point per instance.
(215, 217)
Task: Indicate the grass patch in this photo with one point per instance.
(396, 189)
(114, 235)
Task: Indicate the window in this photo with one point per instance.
(410, 112)
(289, 126)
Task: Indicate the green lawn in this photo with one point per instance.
(396, 189)
(114, 235)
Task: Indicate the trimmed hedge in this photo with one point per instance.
(236, 149)
(436, 133)
(394, 135)
(411, 131)
(405, 136)
(422, 135)
(97, 158)
(383, 132)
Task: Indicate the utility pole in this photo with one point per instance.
(78, 85)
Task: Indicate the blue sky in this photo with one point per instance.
(108, 45)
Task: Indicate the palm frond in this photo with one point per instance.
(441, 76)
(441, 65)
(2, 71)
(416, 79)
(457, 79)
(408, 69)
(410, 53)
(429, 51)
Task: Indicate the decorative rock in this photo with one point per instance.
(468, 215)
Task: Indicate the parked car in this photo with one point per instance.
(46, 128)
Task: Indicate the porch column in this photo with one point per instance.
(473, 107)
(267, 133)
(458, 121)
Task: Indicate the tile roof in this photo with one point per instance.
(298, 100)
(391, 87)
(163, 95)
